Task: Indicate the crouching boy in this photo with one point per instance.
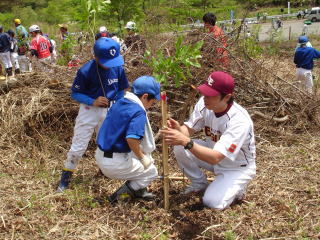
(125, 140)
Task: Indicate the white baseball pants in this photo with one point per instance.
(5, 59)
(89, 119)
(43, 64)
(126, 166)
(228, 184)
(25, 64)
(304, 79)
(14, 60)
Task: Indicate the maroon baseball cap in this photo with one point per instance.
(217, 83)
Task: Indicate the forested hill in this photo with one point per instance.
(115, 13)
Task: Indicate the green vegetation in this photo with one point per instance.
(176, 67)
(89, 14)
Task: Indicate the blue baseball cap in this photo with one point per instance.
(107, 52)
(303, 39)
(146, 84)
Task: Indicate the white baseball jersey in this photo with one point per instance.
(231, 134)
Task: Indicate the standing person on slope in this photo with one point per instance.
(97, 85)
(228, 150)
(303, 58)
(21, 32)
(125, 140)
(14, 52)
(133, 41)
(222, 55)
(40, 47)
(5, 47)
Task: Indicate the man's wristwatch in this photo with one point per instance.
(189, 145)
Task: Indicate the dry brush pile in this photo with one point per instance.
(37, 117)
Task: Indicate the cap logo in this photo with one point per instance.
(113, 52)
(210, 81)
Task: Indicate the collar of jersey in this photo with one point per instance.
(220, 114)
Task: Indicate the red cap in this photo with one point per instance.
(217, 83)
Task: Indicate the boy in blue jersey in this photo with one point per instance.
(125, 140)
(98, 84)
(303, 58)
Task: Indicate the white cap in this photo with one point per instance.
(34, 28)
(130, 25)
(103, 29)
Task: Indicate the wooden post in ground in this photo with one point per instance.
(165, 152)
(290, 33)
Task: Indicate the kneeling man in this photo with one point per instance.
(125, 140)
(228, 150)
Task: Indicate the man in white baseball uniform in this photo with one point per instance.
(228, 150)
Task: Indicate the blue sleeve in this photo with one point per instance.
(123, 81)
(137, 124)
(80, 83)
(134, 136)
(82, 98)
(316, 53)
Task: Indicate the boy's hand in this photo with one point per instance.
(101, 102)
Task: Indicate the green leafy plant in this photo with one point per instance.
(176, 67)
(67, 50)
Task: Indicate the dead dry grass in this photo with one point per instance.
(282, 202)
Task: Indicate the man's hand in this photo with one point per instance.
(174, 137)
(174, 124)
(101, 102)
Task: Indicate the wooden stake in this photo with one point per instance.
(165, 152)
(290, 33)
(174, 178)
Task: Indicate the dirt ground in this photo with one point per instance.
(37, 119)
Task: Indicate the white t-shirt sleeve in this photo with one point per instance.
(231, 141)
(196, 120)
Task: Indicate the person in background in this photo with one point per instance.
(40, 47)
(133, 41)
(103, 32)
(5, 47)
(54, 46)
(21, 32)
(14, 52)
(63, 31)
(222, 55)
(303, 58)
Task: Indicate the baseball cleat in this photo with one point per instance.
(143, 193)
(125, 192)
(195, 188)
(65, 180)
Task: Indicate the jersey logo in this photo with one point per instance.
(210, 81)
(113, 52)
(232, 148)
(215, 137)
(112, 81)
(77, 86)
